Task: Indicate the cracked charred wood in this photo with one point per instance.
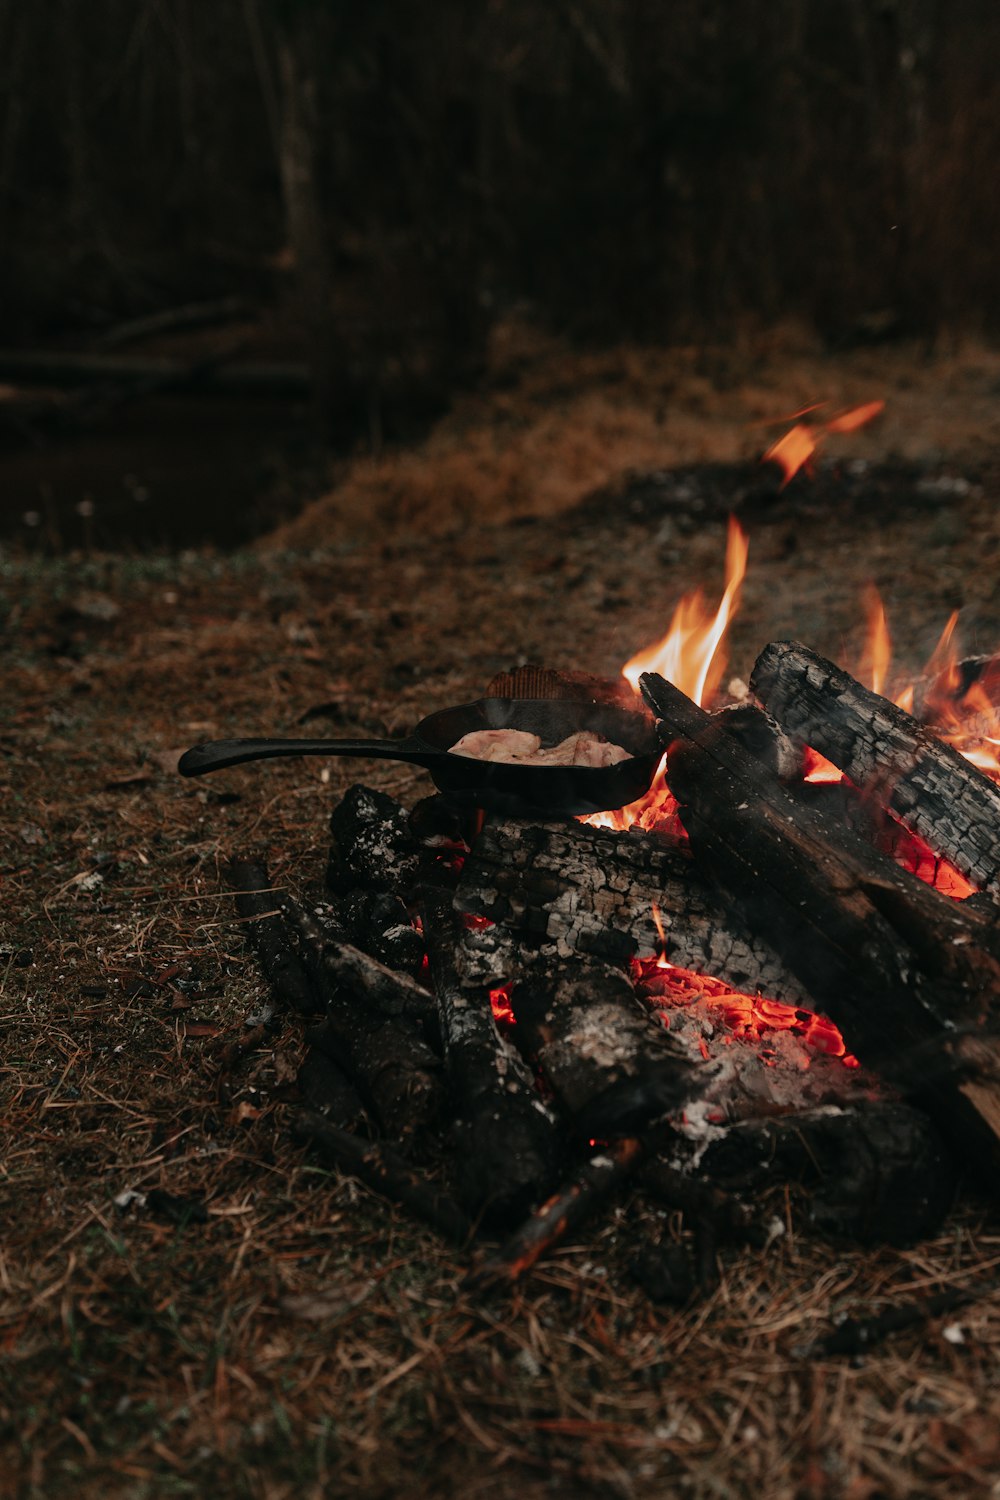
(877, 1173)
(609, 1062)
(385, 1057)
(926, 783)
(585, 1192)
(590, 890)
(332, 963)
(732, 1217)
(892, 962)
(372, 846)
(381, 1169)
(259, 904)
(505, 1138)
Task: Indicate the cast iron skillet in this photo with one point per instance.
(499, 786)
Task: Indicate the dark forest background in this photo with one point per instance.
(381, 183)
(407, 169)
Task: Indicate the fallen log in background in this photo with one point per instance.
(892, 962)
(588, 890)
(504, 1138)
(926, 782)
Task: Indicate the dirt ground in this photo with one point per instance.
(278, 1331)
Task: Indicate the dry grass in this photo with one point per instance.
(554, 424)
(299, 1337)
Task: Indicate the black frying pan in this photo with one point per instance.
(511, 788)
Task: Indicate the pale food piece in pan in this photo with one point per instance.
(584, 748)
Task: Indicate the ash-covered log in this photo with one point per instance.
(883, 750)
(504, 1138)
(372, 846)
(588, 890)
(333, 963)
(892, 962)
(611, 1065)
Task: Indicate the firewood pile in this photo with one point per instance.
(512, 1020)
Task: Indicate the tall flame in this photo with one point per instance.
(690, 656)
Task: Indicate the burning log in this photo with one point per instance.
(608, 1061)
(927, 783)
(567, 1209)
(384, 1056)
(504, 1136)
(592, 891)
(260, 905)
(381, 1169)
(890, 960)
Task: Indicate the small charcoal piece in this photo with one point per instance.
(586, 1191)
(385, 1172)
(927, 783)
(505, 1142)
(372, 845)
(332, 963)
(266, 929)
(666, 1272)
(892, 962)
(585, 890)
(610, 1063)
(857, 1336)
(326, 1089)
(385, 1057)
(380, 924)
(731, 1215)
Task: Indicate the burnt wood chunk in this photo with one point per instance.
(581, 1196)
(372, 846)
(327, 1090)
(260, 906)
(381, 1169)
(878, 1172)
(384, 1056)
(586, 890)
(379, 923)
(926, 783)
(893, 963)
(610, 1063)
(333, 963)
(504, 1137)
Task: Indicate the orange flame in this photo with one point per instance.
(793, 451)
(690, 656)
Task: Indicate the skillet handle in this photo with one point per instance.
(216, 755)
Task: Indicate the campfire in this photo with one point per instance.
(773, 971)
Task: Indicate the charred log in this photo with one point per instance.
(877, 1173)
(381, 1169)
(333, 964)
(326, 1089)
(590, 890)
(504, 1137)
(892, 962)
(611, 1065)
(929, 785)
(380, 924)
(372, 846)
(259, 904)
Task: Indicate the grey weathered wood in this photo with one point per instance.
(585, 890)
(883, 750)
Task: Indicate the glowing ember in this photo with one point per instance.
(794, 450)
(500, 1005)
(751, 1019)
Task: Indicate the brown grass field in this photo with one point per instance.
(294, 1336)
